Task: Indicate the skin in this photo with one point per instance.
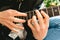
(40, 28)
(7, 18)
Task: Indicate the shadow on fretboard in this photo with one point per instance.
(51, 11)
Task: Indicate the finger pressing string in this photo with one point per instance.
(46, 17)
(35, 23)
(40, 18)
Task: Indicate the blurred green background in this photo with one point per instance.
(49, 3)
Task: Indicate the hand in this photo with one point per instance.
(7, 18)
(39, 28)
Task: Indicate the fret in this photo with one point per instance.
(45, 10)
(29, 14)
(32, 13)
(59, 9)
(55, 10)
(50, 12)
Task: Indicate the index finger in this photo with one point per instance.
(40, 18)
(17, 13)
(20, 14)
(46, 18)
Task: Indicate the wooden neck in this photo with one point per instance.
(51, 11)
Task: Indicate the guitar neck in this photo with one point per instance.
(51, 11)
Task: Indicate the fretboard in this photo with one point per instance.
(51, 11)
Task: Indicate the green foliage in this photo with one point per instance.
(50, 2)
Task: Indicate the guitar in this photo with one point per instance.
(51, 11)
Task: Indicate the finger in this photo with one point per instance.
(35, 23)
(40, 18)
(46, 17)
(17, 19)
(8, 26)
(20, 24)
(14, 25)
(16, 13)
(30, 25)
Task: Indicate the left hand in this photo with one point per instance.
(40, 28)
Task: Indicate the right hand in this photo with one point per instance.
(7, 18)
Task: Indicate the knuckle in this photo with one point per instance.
(10, 9)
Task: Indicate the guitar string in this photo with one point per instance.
(30, 13)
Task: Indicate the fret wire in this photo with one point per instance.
(46, 11)
(58, 10)
(33, 13)
(52, 11)
(27, 16)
